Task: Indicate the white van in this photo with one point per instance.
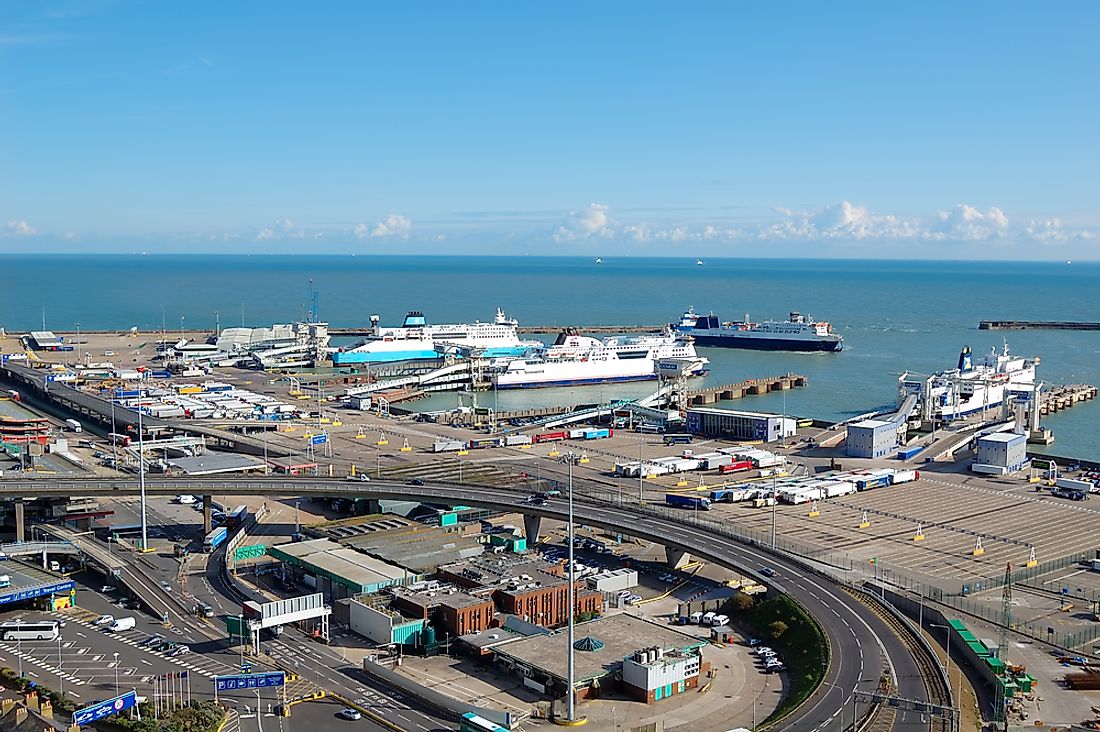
(708, 618)
(696, 617)
(720, 620)
(122, 624)
(55, 566)
(5, 580)
(186, 500)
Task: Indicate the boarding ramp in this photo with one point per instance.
(952, 442)
(441, 378)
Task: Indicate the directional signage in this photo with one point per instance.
(250, 551)
(54, 589)
(318, 439)
(105, 709)
(249, 681)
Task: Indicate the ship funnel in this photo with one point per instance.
(374, 324)
(966, 363)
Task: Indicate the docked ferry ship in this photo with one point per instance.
(416, 340)
(797, 333)
(574, 359)
(973, 387)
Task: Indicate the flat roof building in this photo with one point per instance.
(601, 645)
(734, 425)
(338, 571)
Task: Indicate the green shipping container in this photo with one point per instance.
(979, 649)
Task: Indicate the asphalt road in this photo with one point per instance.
(862, 646)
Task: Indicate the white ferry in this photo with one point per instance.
(574, 360)
(797, 333)
(971, 388)
(416, 340)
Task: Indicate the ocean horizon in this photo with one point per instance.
(895, 315)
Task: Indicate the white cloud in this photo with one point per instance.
(283, 228)
(394, 225)
(844, 220)
(966, 223)
(19, 227)
(590, 221)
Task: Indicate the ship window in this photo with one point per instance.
(633, 354)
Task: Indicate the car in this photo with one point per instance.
(106, 589)
(414, 481)
(625, 593)
(763, 650)
(774, 668)
(753, 642)
(103, 620)
(108, 353)
(179, 651)
(772, 661)
(767, 571)
(350, 714)
(152, 640)
(165, 586)
(359, 478)
(199, 505)
(204, 611)
(186, 500)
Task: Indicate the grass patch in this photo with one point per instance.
(801, 645)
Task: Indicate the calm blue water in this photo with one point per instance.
(893, 315)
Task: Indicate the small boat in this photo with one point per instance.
(699, 261)
(599, 260)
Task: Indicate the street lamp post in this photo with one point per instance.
(570, 713)
(141, 484)
(115, 654)
(60, 676)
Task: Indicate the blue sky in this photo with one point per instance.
(738, 129)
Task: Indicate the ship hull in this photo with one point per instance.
(766, 344)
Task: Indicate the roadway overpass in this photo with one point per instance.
(862, 646)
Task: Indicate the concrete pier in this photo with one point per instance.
(752, 387)
(1064, 397)
(1036, 325)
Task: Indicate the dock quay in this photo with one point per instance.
(751, 387)
(1064, 397)
(364, 331)
(1036, 325)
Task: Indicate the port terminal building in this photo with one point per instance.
(646, 660)
(733, 425)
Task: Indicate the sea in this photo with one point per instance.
(894, 315)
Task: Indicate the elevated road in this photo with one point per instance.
(862, 646)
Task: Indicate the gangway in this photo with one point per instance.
(444, 375)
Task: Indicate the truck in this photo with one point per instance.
(550, 437)
(681, 501)
(480, 443)
(448, 446)
(73, 425)
(905, 476)
(1072, 494)
(122, 624)
(214, 539)
(736, 467)
(515, 440)
(1074, 484)
(731, 495)
(236, 518)
(598, 434)
(909, 452)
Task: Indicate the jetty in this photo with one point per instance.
(1064, 397)
(1036, 325)
(751, 387)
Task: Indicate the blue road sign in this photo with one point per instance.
(249, 681)
(318, 439)
(105, 709)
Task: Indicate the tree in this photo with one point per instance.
(777, 628)
(742, 602)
